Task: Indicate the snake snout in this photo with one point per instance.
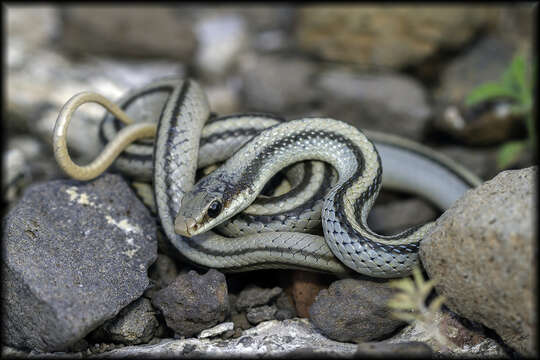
(184, 225)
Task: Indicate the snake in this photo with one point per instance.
(189, 211)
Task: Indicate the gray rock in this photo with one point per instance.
(281, 339)
(516, 25)
(224, 98)
(26, 161)
(193, 302)
(377, 37)
(15, 174)
(275, 84)
(384, 348)
(30, 147)
(259, 314)
(386, 102)
(462, 341)
(240, 321)
(285, 306)
(216, 330)
(36, 94)
(485, 62)
(354, 310)
(220, 40)
(481, 161)
(253, 296)
(481, 255)
(397, 216)
(129, 31)
(29, 27)
(73, 255)
(162, 273)
(135, 324)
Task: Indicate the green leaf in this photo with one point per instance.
(425, 288)
(488, 91)
(436, 304)
(401, 305)
(404, 284)
(409, 317)
(509, 153)
(518, 69)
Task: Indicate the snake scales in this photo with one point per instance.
(188, 212)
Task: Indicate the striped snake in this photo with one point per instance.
(188, 212)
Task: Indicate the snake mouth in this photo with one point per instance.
(185, 226)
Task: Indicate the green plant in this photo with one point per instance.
(409, 304)
(516, 83)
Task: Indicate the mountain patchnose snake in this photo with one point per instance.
(189, 211)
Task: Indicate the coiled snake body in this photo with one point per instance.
(188, 212)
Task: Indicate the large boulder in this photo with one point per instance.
(482, 255)
(73, 255)
(389, 36)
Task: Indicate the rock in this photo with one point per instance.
(240, 321)
(305, 288)
(484, 62)
(135, 324)
(481, 254)
(386, 102)
(162, 273)
(37, 93)
(220, 40)
(253, 296)
(261, 313)
(216, 330)
(462, 341)
(132, 31)
(285, 306)
(15, 174)
(274, 84)
(30, 147)
(389, 36)
(29, 28)
(273, 41)
(385, 348)
(397, 216)
(515, 24)
(354, 310)
(224, 99)
(481, 161)
(193, 302)
(282, 339)
(26, 161)
(486, 123)
(73, 255)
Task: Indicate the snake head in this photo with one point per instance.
(208, 204)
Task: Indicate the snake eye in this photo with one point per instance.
(214, 209)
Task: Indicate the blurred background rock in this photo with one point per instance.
(390, 68)
(399, 69)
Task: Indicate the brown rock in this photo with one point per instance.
(354, 310)
(305, 288)
(481, 254)
(390, 36)
(142, 31)
(193, 302)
